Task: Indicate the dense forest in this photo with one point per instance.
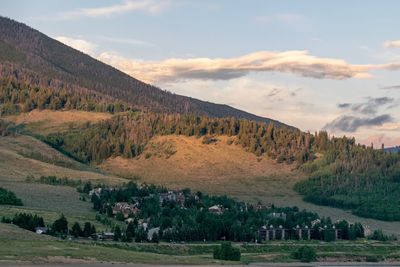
(355, 177)
(16, 97)
(34, 58)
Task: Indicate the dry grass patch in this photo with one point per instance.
(220, 167)
(49, 121)
(16, 166)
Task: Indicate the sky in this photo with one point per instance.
(316, 65)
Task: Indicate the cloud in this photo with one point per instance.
(344, 105)
(371, 106)
(79, 44)
(296, 62)
(391, 87)
(392, 44)
(394, 126)
(352, 123)
(300, 63)
(150, 6)
(135, 42)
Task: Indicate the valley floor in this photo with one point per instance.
(23, 248)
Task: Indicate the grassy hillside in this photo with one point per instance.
(24, 156)
(218, 167)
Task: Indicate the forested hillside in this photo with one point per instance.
(127, 134)
(32, 57)
(355, 177)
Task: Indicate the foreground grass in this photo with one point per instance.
(21, 245)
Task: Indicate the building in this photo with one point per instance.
(302, 233)
(125, 208)
(278, 215)
(173, 196)
(106, 236)
(95, 191)
(151, 233)
(216, 209)
(41, 230)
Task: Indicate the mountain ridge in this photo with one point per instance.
(29, 52)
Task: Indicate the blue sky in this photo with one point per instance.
(312, 64)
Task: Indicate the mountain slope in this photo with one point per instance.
(27, 54)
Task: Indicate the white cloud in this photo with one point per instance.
(295, 62)
(79, 44)
(392, 44)
(149, 6)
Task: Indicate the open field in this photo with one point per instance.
(50, 121)
(49, 202)
(20, 245)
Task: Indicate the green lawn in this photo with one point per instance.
(49, 202)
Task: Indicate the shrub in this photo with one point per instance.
(380, 236)
(305, 254)
(373, 258)
(227, 252)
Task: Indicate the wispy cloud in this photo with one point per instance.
(150, 6)
(392, 44)
(135, 42)
(364, 114)
(371, 106)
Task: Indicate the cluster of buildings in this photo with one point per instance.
(271, 232)
(126, 209)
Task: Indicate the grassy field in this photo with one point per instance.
(21, 245)
(49, 202)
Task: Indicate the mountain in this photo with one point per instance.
(28, 54)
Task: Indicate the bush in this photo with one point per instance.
(227, 252)
(380, 236)
(305, 254)
(373, 258)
